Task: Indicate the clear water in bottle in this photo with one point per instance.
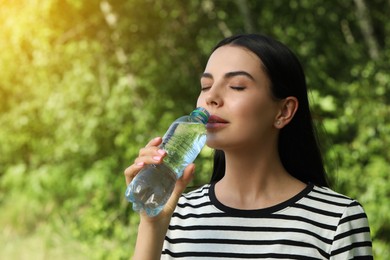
(151, 188)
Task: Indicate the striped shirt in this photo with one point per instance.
(317, 223)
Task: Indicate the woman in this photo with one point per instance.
(268, 195)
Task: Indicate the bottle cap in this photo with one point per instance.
(202, 113)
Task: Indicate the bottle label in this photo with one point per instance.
(183, 142)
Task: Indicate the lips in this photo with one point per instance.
(216, 119)
(216, 122)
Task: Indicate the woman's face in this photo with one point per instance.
(236, 92)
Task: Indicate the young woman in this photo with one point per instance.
(268, 196)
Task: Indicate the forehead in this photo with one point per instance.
(233, 58)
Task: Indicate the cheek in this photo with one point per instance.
(259, 112)
(244, 108)
(200, 102)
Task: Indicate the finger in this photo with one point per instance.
(151, 154)
(132, 171)
(180, 186)
(154, 142)
(187, 177)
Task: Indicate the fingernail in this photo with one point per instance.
(157, 158)
(160, 151)
(140, 164)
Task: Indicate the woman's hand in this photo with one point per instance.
(151, 154)
(152, 230)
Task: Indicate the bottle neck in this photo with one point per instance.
(201, 115)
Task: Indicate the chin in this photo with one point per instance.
(211, 143)
(214, 143)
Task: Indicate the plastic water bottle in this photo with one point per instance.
(150, 190)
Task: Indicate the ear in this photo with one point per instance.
(288, 107)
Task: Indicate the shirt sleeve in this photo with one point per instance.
(352, 237)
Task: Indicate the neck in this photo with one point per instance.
(255, 178)
(253, 170)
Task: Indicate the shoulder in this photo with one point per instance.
(344, 207)
(352, 233)
(198, 192)
(329, 194)
(337, 201)
(195, 199)
(193, 205)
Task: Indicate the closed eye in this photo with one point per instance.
(205, 88)
(238, 88)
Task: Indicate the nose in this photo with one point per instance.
(213, 97)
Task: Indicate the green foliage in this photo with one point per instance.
(85, 84)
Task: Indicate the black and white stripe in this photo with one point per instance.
(318, 223)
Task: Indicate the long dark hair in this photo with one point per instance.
(298, 143)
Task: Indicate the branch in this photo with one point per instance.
(208, 7)
(246, 15)
(367, 29)
(112, 22)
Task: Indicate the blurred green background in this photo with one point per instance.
(85, 84)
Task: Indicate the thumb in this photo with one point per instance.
(180, 186)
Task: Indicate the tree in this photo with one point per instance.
(84, 84)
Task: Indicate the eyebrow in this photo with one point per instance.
(230, 75)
